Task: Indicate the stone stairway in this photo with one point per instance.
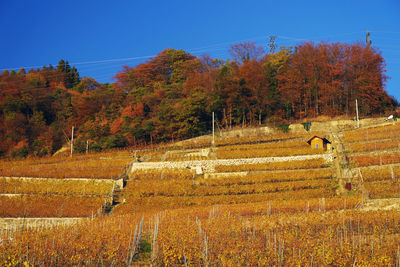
(349, 179)
(117, 196)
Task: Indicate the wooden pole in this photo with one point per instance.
(72, 141)
(213, 129)
(358, 121)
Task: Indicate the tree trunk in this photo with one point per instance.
(230, 116)
(225, 118)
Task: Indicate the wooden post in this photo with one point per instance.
(225, 119)
(72, 141)
(358, 121)
(213, 129)
(230, 117)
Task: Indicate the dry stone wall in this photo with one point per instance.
(209, 165)
(14, 224)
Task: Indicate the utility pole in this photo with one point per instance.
(213, 137)
(358, 121)
(72, 141)
(367, 39)
(272, 44)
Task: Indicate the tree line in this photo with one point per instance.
(173, 95)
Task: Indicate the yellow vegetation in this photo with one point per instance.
(375, 133)
(49, 206)
(80, 166)
(281, 165)
(55, 187)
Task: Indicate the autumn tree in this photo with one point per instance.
(172, 95)
(245, 52)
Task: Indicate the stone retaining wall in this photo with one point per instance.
(118, 182)
(74, 179)
(14, 224)
(209, 165)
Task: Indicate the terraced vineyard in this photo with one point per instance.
(99, 166)
(81, 186)
(375, 155)
(50, 206)
(263, 200)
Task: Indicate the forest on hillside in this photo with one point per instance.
(173, 95)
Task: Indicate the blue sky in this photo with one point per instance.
(98, 37)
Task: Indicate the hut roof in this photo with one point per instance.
(322, 138)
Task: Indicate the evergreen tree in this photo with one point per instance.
(72, 75)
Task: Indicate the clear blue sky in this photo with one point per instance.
(98, 37)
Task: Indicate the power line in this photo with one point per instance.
(213, 47)
(383, 38)
(389, 32)
(195, 50)
(395, 46)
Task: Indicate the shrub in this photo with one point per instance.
(306, 125)
(95, 147)
(80, 146)
(21, 153)
(284, 127)
(113, 141)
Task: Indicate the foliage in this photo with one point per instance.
(252, 151)
(108, 165)
(172, 96)
(282, 165)
(372, 134)
(114, 141)
(381, 173)
(49, 206)
(374, 146)
(37, 186)
(306, 125)
(381, 159)
(284, 127)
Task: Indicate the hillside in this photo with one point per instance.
(172, 96)
(258, 197)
